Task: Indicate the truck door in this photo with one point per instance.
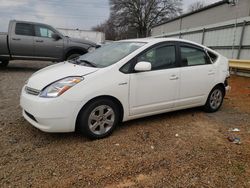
(21, 40)
(45, 45)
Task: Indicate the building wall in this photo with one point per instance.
(224, 28)
(213, 15)
(163, 29)
(221, 13)
(228, 38)
(94, 36)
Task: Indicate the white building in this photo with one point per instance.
(94, 36)
(223, 26)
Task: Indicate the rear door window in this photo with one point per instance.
(24, 29)
(191, 56)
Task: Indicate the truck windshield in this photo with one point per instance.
(109, 54)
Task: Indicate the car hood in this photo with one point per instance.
(48, 75)
(83, 41)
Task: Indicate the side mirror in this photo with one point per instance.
(143, 66)
(55, 36)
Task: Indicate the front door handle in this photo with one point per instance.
(39, 40)
(174, 77)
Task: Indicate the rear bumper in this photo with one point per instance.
(227, 88)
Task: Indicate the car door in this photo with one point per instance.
(22, 40)
(156, 90)
(197, 76)
(45, 45)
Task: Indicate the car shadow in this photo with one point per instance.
(26, 66)
(159, 117)
(20, 69)
(77, 137)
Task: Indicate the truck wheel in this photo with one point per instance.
(73, 56)
(4, 63)
(98, 119)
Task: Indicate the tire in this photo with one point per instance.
(93, 124)
(73, 56)
(4, 63)
(214, 100)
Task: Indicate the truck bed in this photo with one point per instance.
(4, 52)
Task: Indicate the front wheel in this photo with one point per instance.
(4, 63)
(214, 100)
(98, 119)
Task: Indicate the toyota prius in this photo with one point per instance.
(124, 80)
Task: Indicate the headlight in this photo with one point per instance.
(91, 49)
(58, 88)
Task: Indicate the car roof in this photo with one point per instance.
(156, 40)
(165, 39)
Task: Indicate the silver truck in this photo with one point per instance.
(36, 41)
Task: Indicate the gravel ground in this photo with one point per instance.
(187, 148)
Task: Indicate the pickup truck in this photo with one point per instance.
(36, 41)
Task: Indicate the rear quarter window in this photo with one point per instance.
(212, 56)
(192, 56)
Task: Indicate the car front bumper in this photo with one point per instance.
(49, 114)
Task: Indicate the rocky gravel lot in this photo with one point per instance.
(187, 148)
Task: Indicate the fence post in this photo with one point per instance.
(180, 35)
(180, 28)
(203, 35)
(241, 38)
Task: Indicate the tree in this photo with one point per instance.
(113, 32)
(108, 28)
(196, 6)
(142, 14)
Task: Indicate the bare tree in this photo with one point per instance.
(196, 6)
(108, 28)
(143, 14)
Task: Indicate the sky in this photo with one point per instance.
(73, 14)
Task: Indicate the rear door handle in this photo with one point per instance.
(174, 77)
(39, 40)
(211, 72)
(16, 39)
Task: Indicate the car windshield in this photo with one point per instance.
(108, 54)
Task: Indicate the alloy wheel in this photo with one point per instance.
(101, 119)
(216, 99)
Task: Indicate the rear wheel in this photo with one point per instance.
(215, 99)
(98, 119)
(4, 63)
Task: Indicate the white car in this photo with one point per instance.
(124, 80)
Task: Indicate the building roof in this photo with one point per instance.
(194, 12)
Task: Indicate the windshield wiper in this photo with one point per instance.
(79, 61)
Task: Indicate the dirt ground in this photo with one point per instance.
(187, 148)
